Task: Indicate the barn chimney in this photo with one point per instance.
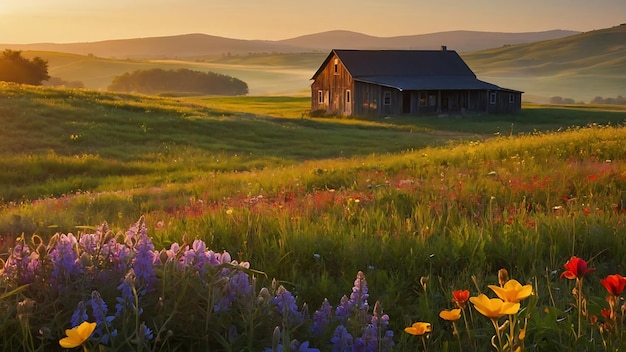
(444, 48)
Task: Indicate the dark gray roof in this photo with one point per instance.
(409, 69)
(429, 82)
(403, 62)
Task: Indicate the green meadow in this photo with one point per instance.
(422, 206)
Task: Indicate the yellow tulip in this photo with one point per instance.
(493, 308)
(77, 335)
(512, 291)
(419, 328)
(450, 315)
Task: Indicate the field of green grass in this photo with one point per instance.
(423, 206)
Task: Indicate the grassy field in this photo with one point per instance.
(421, 206)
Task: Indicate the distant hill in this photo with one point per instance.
(460, 41)
(202, 45)
(581, 66)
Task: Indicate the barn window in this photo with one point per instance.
(336, 66)
(492, 98)
(387, 98)
(511, 98)
(320, 96)
(348, 97)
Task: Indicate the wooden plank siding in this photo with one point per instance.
(333, 83)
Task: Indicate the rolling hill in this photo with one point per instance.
(461, 41)
(193, 46)
(580, 67)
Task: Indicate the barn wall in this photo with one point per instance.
(333, 83)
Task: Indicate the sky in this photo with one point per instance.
(67, 21)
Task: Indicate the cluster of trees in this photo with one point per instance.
(159, 81)
(16, 68)
(597, 100)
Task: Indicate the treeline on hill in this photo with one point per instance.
(620, 100)
(159, 81)
(16, 68)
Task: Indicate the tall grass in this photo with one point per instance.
(454, 213)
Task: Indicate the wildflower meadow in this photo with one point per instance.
(505, 243)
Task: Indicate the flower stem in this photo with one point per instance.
(579, 303)
(497, 327)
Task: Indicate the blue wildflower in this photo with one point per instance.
(359, 294)
(321, 318)
(65, 263)
(342, 340)
(79, 315)
(286, 305)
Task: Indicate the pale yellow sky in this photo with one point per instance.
(62, 21)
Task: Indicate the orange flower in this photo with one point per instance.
(614, 284)
(512, 291)
(77, 335)
(450, 315)
(419, 328)
(576, 268)
(460, 297)
(494, 308)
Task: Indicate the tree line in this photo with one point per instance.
(619, 100)
(159, 81)
(16, 68)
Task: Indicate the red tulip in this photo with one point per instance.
(614, 284)
(576, 268)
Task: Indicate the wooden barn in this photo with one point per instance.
(404, 82)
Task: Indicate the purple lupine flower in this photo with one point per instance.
(295, 345)
(145, 333)
(79, 315)
(359, 294)
(99, 308)
(344, 309)
(127, 297)
(321, 318)
(387, 342)
(342, 340)
(88, 242)
(142, 263)
(237, 287)
(286, 305)
(368, 342)
(380, 322)
(116, 255)
(21, 265)
(65, 263)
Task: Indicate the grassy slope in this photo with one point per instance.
(581, 66)
(56, 141)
